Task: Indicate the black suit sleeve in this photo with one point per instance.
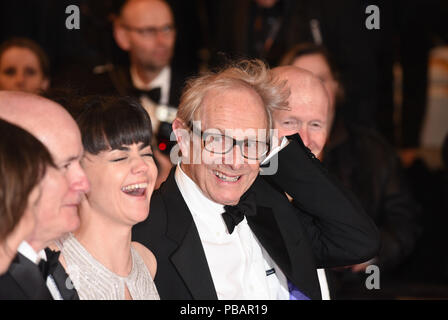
(341, 233)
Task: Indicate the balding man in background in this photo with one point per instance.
(55, 128)
(146, 30)
(310, 115)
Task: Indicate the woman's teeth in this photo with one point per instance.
(135, 189)
(226, 178)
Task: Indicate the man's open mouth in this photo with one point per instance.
(226, 178)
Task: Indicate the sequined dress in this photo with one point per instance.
(93, 281)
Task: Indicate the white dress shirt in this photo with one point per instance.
(237, 261)
(161, 111)
(28, 252)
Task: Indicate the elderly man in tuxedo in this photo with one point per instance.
(56, 129)
(222, 231)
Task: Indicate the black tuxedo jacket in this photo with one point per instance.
(324, 227)
(24, 281)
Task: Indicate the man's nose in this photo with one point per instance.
(78, 180)
(305, 137)
(235, 158)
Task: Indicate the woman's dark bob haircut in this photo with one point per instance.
(112, 122)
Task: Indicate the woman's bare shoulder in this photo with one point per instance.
(147, 256)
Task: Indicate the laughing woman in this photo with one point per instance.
(99, 257)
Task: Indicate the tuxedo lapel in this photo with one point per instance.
(29, 279)
(265, 227)
(188, 255)
(61, 279)
(189, 260)
(279, 231)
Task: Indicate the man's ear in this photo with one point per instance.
(183, 137)
(121, 35)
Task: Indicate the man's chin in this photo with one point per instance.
(72, 218)
(227, 199)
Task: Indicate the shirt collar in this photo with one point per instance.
(276, 150)
(196, 201)
(28, 252)
(162, 80)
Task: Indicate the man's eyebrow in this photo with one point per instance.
(74, 158)
(70, 160)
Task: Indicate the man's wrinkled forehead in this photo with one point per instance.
(214, 108)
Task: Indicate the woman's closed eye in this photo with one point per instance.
(118, 159)
(148, 154)
(123, 158)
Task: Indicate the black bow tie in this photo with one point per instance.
(48, 267)
(233, 215)
(154, 94)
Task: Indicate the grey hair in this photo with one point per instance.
(253, 74)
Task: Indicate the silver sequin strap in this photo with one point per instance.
(93, 281)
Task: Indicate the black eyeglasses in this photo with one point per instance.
(217, 143)
(151, 32)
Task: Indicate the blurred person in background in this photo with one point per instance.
(24, 66)
(266, 29)
(146, 31)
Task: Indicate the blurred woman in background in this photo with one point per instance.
(24, 66)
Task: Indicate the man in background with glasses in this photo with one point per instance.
(221, 231)
(146, 30)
